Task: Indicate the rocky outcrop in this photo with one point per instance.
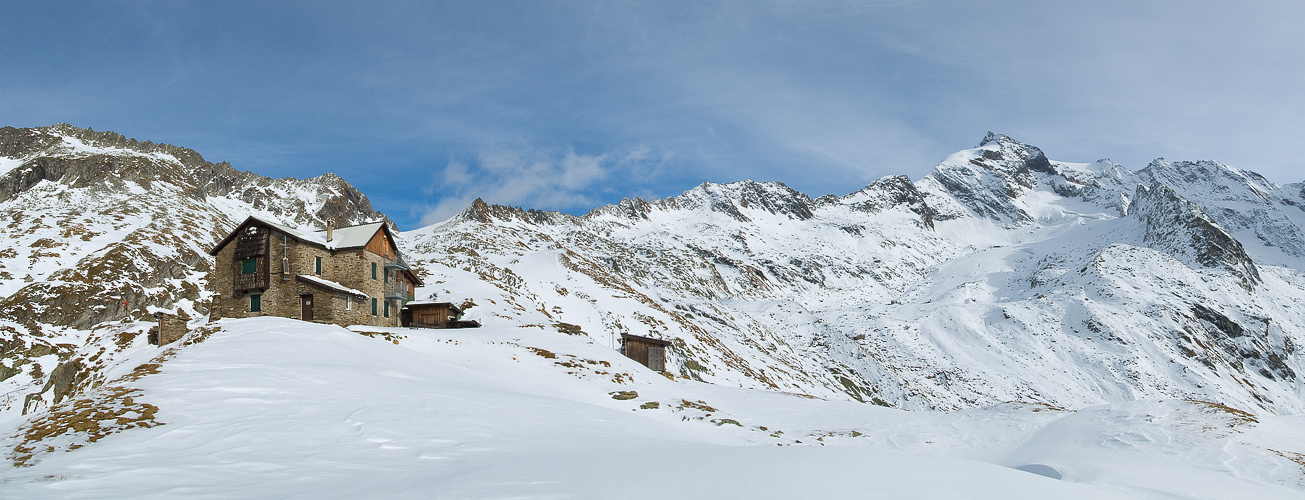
(485, 213)
(884, 194)
(734, 198)
(127, 224)
(83, 158)
(1180, 228)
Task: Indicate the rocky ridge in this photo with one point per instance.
(1000, 276)
(100, 230)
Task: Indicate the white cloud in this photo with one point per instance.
(550, 179)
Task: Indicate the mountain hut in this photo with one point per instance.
(347, 276)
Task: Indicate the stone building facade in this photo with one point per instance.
(346, 276)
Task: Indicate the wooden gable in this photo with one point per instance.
(381, 244)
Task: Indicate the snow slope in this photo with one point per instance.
(1001, 276)
(275, 408)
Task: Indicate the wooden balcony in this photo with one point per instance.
(247, 282)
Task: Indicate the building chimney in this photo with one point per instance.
(330, 231)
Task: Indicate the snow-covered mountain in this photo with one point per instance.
(1011, 288)
(1000, 276)
(98, 230)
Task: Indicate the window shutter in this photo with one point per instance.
(373, 304)
(255, 302)
(387, 308)
(373, 275)
(248, 266)
(319, 265)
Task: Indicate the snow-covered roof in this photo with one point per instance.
(349, 237)
(328, 284)
(429, 303)
(422, 302)
(342, 238)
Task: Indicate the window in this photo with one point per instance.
(348, 302)
(255, 302)
(373, 273)
(373, 306)
(387, 308)
(387, 276)
(318, 265)
(248, 266)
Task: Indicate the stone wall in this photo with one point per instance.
(172, 327)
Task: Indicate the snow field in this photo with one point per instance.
(276, 408)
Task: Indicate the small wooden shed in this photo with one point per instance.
(431, 314)
(649, 351)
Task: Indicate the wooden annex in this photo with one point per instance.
(649, 351)
(347, 276)
(431, 314)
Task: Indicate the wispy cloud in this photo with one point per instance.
(823, 95)
(551, 178)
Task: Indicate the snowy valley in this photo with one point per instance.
(1008, 326)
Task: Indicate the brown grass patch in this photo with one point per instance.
(84, 420)
(697, 405)
(1239, 417)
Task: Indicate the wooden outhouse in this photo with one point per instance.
(649, 351)
(431, 314)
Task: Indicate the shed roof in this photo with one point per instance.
(646, 340)
(329, 285)
(430, 303)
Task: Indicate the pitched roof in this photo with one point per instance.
(343, 238)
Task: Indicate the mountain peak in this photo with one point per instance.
(773, 197)
(486, 213)
(994, 137)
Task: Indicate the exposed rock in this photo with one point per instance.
(886, 193)
(165, 204)
(1180, 228)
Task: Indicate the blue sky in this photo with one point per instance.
(570, 105)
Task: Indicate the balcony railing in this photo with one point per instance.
(397, 291)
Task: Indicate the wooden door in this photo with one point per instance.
(637, 351)
(657, 358)
(307, 300)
